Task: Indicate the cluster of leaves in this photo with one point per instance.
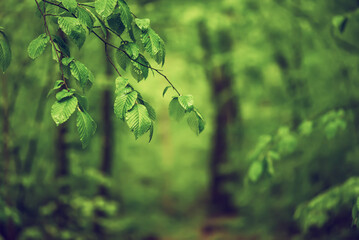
(183, 106)
(111, 16)
(284, 142)
(318, 211)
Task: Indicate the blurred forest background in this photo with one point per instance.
(277, 82)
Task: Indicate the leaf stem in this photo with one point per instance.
(57, 51)
(113, 46)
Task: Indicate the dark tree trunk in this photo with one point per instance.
(221, 79)
(62, 166)
(107, 144)
(9, 231)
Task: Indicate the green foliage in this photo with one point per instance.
(82, 74)
(149, 39)
(196, 122)
(306, 128)
(165, 90)
(318, 211)
(255, 171)
(58, 84)
(85, 17)
(121, 84)
(73, 28)
(86, 127)
(124, 102)
(38, 45)
(62, 109)
(5, 51)
(154, 45)
(105, 7)
(126, 52)
(142, 24)
(64, 94)
(113, 17)
(332, 122)
(139, 68)
(183, 105)
(138, 120)
(125, 13)
(69, 4)
(62, 46)
(115, 23)
(186, 102)
(176, 111)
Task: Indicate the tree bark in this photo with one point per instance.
(226, 111)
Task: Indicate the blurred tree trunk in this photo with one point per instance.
(39, 116)
(226, 112)
(107, 141)
(9, 231)
(62, 165)
(296, 85)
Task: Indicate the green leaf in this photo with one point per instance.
(83, 103)
(124, 102)
(138, 120)
(165, 90)
(152, 43)
(37, 46)
(125, 13)
(105, 7)
(64, 94)
(61, 111)
(72, 27)
(122, 59)
(186, 102)
(86, 127)
(151, 111)
(58, 84)
(82, 74)
(131, 49)
(115, 23)
(306, 128)
(139, 70)
(175, 109)
(69, 4)
(255, 171)
(196, 122)
(151, 132)
(66, 61)
(136, 35)
(5, 52)
(62, 45)
(85, 17)
(121, 84)
(143, 24)
(160, 57)
(99, 21)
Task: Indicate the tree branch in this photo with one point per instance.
(59, 57)
(113, 46)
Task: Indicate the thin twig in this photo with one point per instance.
(53, 44)
(86, 5)
(110, 61)
(144, 65)
(113, 46)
